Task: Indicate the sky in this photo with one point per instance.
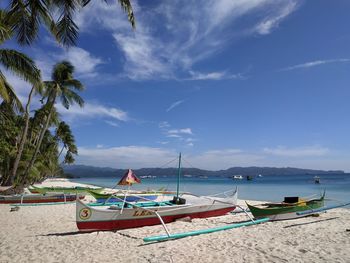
(226, 82)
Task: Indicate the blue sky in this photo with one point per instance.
(227, 83)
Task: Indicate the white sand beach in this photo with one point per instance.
(49, 234)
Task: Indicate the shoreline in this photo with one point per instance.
(49, 234)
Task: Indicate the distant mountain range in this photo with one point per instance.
(81, 171)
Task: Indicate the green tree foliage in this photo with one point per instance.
(26, 16)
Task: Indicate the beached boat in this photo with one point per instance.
(124, 214)
(288, 209)
(59, 189)
(38, 198)
(119, 195)
(130, 215)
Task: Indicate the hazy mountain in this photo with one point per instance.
(91, 171)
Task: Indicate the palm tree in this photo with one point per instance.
(65, 135)
(62, 85)
(17, 62)
(26, 17)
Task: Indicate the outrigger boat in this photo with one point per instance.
(290, 208)
(38, 198)
(59, 189)
(138, 214)
(130, 215)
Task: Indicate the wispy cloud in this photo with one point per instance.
(213, 76)
(93, 110)
(181, 131)
(164, 125)
(112, 123)
(308, 151)
(84, 62)
(125, 156)
(169, 44)
(216, 159)
(316, 63)
(268, 24)
(175, 104)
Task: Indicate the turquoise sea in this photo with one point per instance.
(266, 188)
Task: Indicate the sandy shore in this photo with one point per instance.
(49, 234)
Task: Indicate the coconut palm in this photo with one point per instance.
(66, 137)
(16, 62)
(26, 16)
(62, 85)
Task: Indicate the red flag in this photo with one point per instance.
(129, 178)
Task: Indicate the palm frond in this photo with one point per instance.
(71, 97)
(8, 93)
(74, 83)
(62, 71)
(5, 29)
(126, 6)
(67, 29)
(21, 65)
(21, 22)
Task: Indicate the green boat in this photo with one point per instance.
(59, 189)
(288, 209)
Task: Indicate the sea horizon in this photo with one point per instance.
(266, 188)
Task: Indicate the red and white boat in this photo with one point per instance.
(38, 198)
(130, 215)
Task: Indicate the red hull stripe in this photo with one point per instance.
(132, 223)
(34, 201)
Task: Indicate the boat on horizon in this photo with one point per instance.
(237, 177)
(317, 179)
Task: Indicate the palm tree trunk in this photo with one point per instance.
(61, 151)
(37, 148)
(23, 139)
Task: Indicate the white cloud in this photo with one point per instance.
(309, 151)
(173, 136)
(84, 62)
(125, 156)
(93, 110)
(164, 124)
(175, 104)
(216, 159)
(180, 131)
(268, 24)
(213, 76)
(168, 44)
(224, 159)
(112, 123)
(316, 63)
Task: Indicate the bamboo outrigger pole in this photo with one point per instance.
(312, 211)
(203, 231)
